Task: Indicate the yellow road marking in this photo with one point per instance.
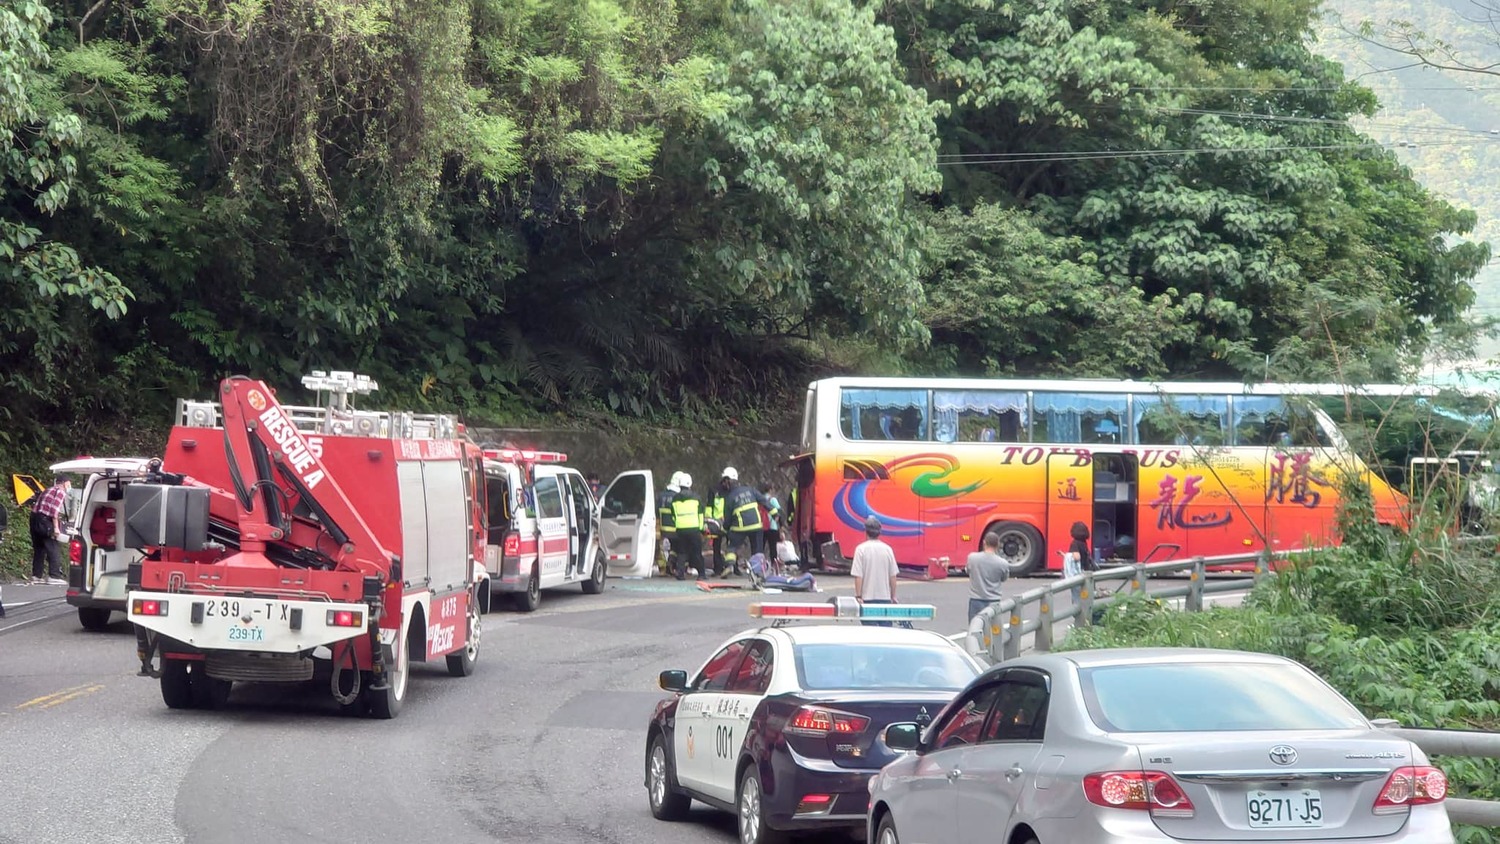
(55, 698)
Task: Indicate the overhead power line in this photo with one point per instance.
(951, 159)
(1326, 121)
(1253, 89)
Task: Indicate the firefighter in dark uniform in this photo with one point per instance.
(664, 524)
(742, 505)
(687, 520)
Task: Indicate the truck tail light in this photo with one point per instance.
(142, 606)
(345, 618)
(75, 551)
(512, 547)
(1153, 791)
(817, 721)
(1412, 785)
(102, 528)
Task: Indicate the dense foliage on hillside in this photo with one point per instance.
(649, 205)
(1440, 117)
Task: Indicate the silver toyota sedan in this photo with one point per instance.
(1165, 744)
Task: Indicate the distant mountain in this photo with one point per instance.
(1445, 125)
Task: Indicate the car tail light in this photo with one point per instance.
(1412, 785)
(1154, 791)
(75, 551)
(512, 547)
(816, 721)
(814, 804)
(102, 528)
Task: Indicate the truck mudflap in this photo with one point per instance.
(266, 625)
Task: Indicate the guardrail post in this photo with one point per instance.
(996, 634)
(1044, 630)
(1013, 635)
(1138, 580)
(1194, 601)
(1086, 601)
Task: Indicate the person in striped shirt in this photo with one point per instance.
(46, 525)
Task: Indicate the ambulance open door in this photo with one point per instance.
(627, 525)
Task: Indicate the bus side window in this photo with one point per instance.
(1078, 417)
(1181, 420)
(1303, 428)
(1260, 421)
(978, 415)
(883, 414)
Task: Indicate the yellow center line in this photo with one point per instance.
(70, 693)
(70, 696)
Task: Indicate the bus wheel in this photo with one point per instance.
(1021, 546)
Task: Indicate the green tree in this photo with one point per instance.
(49, 289)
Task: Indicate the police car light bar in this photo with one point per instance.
(525, 455)
(846, 608)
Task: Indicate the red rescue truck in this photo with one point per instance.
(279, 537)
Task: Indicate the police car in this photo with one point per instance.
(783, 724)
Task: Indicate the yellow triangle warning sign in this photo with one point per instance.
(25, 487)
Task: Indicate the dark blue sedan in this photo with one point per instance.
(782, 725)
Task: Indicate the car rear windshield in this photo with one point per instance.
(1194, 697)
(869, 666)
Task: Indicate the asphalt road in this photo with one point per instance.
(543, 744)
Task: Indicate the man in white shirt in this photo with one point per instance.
(874, 570)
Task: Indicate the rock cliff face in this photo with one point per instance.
(663, 452)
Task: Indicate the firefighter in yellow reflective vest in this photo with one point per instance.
(742, 504)
(687, 519)
(713, 513)
(665, 527)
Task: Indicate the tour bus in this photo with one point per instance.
(1157, 471)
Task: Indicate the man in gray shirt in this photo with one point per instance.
(987, 570)
(874, 570)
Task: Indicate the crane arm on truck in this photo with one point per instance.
(274, 468)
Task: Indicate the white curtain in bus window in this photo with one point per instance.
(1078, 418)
(978, 416)
(883, 414)
(1262, 421)
(1181, 420)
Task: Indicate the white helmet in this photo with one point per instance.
(731, 473)
(684, 480)
(672, 486)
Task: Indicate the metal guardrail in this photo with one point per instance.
(995, 633)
